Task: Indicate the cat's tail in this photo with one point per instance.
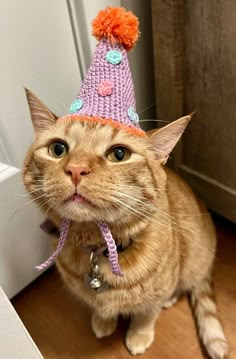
(209, 326)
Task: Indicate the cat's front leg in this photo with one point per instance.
(103, 327)
(141, 331)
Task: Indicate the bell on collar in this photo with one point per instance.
(95, 283)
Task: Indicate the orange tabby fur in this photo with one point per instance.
(173, 237)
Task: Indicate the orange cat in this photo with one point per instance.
(167, 246)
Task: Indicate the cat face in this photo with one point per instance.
(88, 171)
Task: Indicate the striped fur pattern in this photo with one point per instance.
(174, 240)
(209, 327)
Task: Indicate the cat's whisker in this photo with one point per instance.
(146, 108)
(165, 215)
(131, 210)
(41, 207)
(142, 216)
(157, 191)
(13, 213)
(12, 199)
(141, 188)
(29, 192)
(37, 187)
(160, 222)
(176, 226)
(107, 209)
(154, 121)
(154, 208)
(33, 181)
(9, 221)
(30, 201)
(146, 216)
(163, 224)
(18, 196)
(173, 220)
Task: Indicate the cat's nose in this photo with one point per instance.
(76, 172)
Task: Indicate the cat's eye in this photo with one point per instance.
(118, 154)
(58, 149)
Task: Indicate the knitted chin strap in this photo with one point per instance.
(112, 250)
(107, 235)
(107, 97)
(63, 235)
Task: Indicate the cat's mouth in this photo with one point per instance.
(78, 198)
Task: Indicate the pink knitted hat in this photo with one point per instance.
(107, 92)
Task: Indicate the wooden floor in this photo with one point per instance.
(60, 325)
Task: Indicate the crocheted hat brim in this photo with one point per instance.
(104, 121)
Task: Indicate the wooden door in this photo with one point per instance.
(195, 63)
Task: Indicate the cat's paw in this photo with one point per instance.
(170, 302)
(103, 327)
(218, 349)
(138, 342)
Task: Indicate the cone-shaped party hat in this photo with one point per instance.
(107, 92)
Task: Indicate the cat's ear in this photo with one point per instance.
(164, 140)
(41, 116)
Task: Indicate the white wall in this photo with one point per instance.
(37, 51)
(141, 60)
(82, 13)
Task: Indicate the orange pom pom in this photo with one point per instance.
(117, 25)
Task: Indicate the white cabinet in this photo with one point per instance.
(15, 341)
